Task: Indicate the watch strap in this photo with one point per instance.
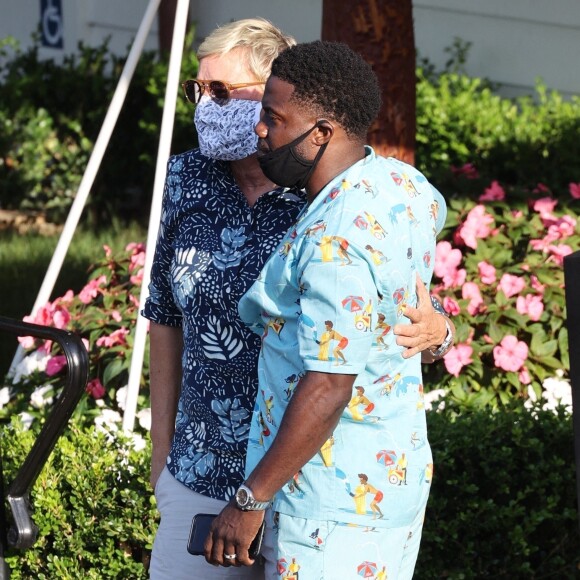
(447, 342)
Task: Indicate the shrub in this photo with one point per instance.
(51, 115)
(502, 504)
(498, 271)
(92, 503)
(103, 313)
(503, 500)
(521, 141)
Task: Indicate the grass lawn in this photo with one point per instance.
(24, 259)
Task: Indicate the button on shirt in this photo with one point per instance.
(211, 248)
(327, 301)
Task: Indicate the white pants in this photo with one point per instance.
(170, 559)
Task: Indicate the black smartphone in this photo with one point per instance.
(200, 527)
(198, 533)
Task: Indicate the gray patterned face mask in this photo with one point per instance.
(226, 132)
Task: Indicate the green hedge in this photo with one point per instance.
(93, 506)
(523, 141)
(50, 118)
(503, 502)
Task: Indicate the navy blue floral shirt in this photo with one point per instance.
(210, 249)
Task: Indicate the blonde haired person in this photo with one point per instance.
(221, 220)
(260, 40)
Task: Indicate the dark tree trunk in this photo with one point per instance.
(382, 32)
(166, 19)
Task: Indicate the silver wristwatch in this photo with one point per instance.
(447, 342)
(246, 501)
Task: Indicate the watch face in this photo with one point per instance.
(242, 497)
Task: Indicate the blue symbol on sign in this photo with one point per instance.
(51, 25)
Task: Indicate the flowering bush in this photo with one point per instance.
(103, 314)
(498, 272)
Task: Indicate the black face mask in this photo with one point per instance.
(286, 167)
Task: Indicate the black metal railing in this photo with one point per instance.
(22, 531)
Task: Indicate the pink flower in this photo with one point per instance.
(43, 315)
(511, 285)
(115, 338)
(458, 357)
(524, 377)
(116, 316)
(470, 291)
(137, 278)
(510, 354)
(137, 261)
(135, 247)
(55, 365)
(51, 314)
(66, 299)
(541, 245)
(451, 306)
(494, 192)
(517, 214)
(537, 285)
(545, 206)
(91, 290)
(95, 389)
(558, 253)
(486, 272)
(476, 226)
(447, 259)
(562, 228)
(108, 251)
(61, 317)
(26, 342)
(454, 279)
(541, 188)
(468, 170)
(531, 305)
(574, 190)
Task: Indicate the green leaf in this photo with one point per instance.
(544, 349)
(113, 369)
(563, 345)
(496, 332)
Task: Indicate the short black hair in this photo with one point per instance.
(334, 80)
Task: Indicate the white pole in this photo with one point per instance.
(179, 31)
(92, 167)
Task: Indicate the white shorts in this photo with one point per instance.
(170, 559)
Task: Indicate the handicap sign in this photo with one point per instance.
(51, 24)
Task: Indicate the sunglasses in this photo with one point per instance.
(218, 90)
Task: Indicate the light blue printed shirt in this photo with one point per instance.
(326, 301)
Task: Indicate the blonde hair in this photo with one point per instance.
(262, 40)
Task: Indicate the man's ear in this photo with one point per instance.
(325, 131)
